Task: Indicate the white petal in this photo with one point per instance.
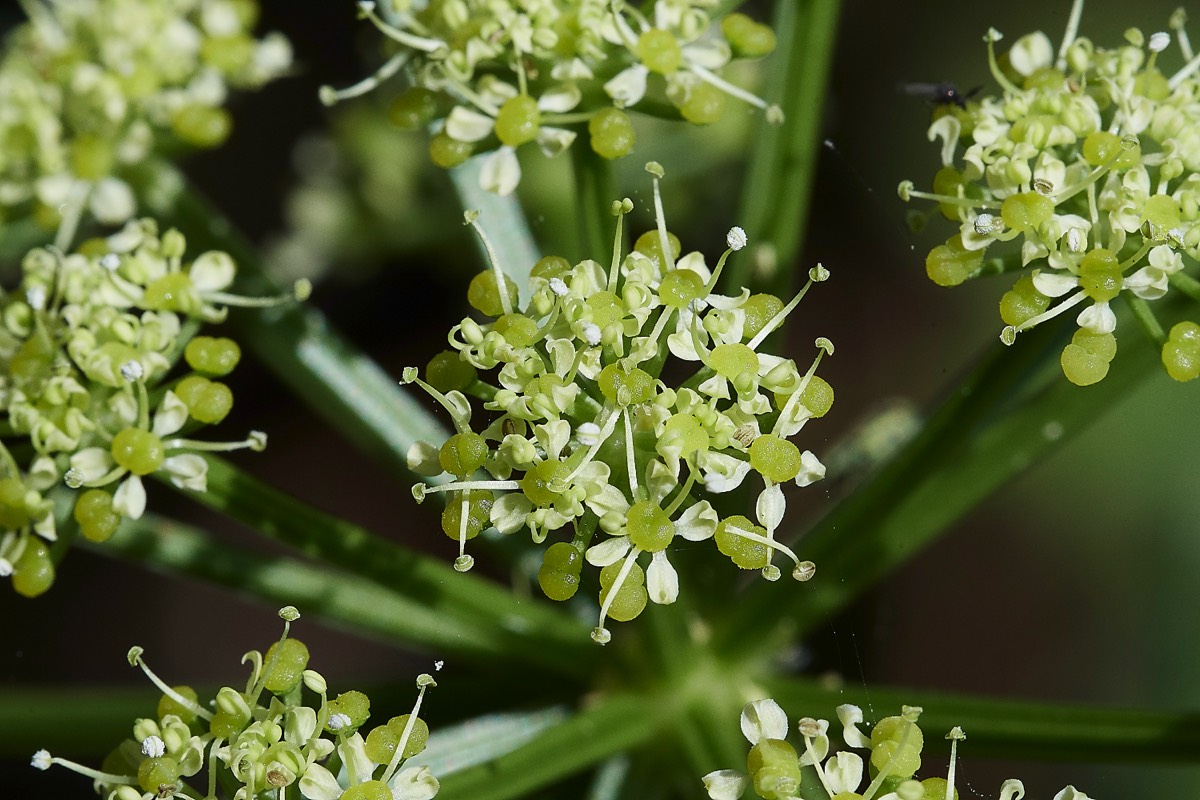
(662, 581)
(851, 716)
(170, 416)
(682, 347)
(698, 523)
(811, 469)
(92, 463)
(354, 755)
(1012, 789)
(844, 772)
(212, 271)
(725, 784)
(553, 141)
(465, 125)
(709, 53)
(509, 512)
(628, 86)
(414, 783)
(1053, 284)
(1148, 283)
(609, 500)
(318, 783)
(722, 473)
(1097, 318)
(129, 500)
(422, 458)
(607, 552)
(188, 471)
(500, 172)
(112, 202)
(763, 719)
(770, 507)
(560, 99)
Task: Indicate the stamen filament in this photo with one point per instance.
(94, 774)
(769, 542)
(398, 756)
(187, 703)
(605, 431)
(501, 278)
(630, 461)
(300, 291)
(600, 631)
(778, 319)
(424, 44)
(660, 221)
(330, 96)
(1069, 34)
(728, 88)
(1066, 305)
(684, 492)
(997, 73)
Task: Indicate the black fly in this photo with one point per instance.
(940, 94)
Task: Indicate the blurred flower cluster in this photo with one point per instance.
(87, 343)
(1089, 161)
(89, 88)
(584, 429)
(894, 746)
(492, 75)
(265, 738)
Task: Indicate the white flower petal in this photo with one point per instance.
(318, 783)
(188, 471)
(92, 463)
(465, 125)
(811, 469)
(725, 784)
(509, 512)
(698, 523)
(607, 552)
(414, 783)
(763, 719)
(500, 172)
(560, 99)
(1097, 318)
(662, 581)
(628, 86)
(129, 500)
(770, 507)
(844, 772)
(1053, 284)
(851, 716)
(112, 201)
(422, 458)
(553, 141)
(171, 415)
(212, 271)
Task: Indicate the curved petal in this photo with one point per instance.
(763, 719)
(662, 581)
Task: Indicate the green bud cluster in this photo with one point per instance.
(93, 87)
(888, 770)
(583, 432)
(89, 389)
(493, 75)
(1085, 170)
(279, 736)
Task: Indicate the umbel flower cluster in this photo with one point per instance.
(1089, 161)
(776, 768)
(582, 432)
(90, 88)
(493, 75)
(87, 398)
(266, 738)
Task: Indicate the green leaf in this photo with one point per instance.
(1013, 729)
(613, 725)
(483, 739)
(783, 166)
(522, 627)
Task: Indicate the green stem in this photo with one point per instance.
(525, 628)
(614, 725)
(415, 610)
(595, 193)
(1014, 729)
(1015, 409)
(775, 199)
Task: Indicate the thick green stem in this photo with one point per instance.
(595, 193)
(1014, 729)
(776, 195)
(417, 612)
(522, 628)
